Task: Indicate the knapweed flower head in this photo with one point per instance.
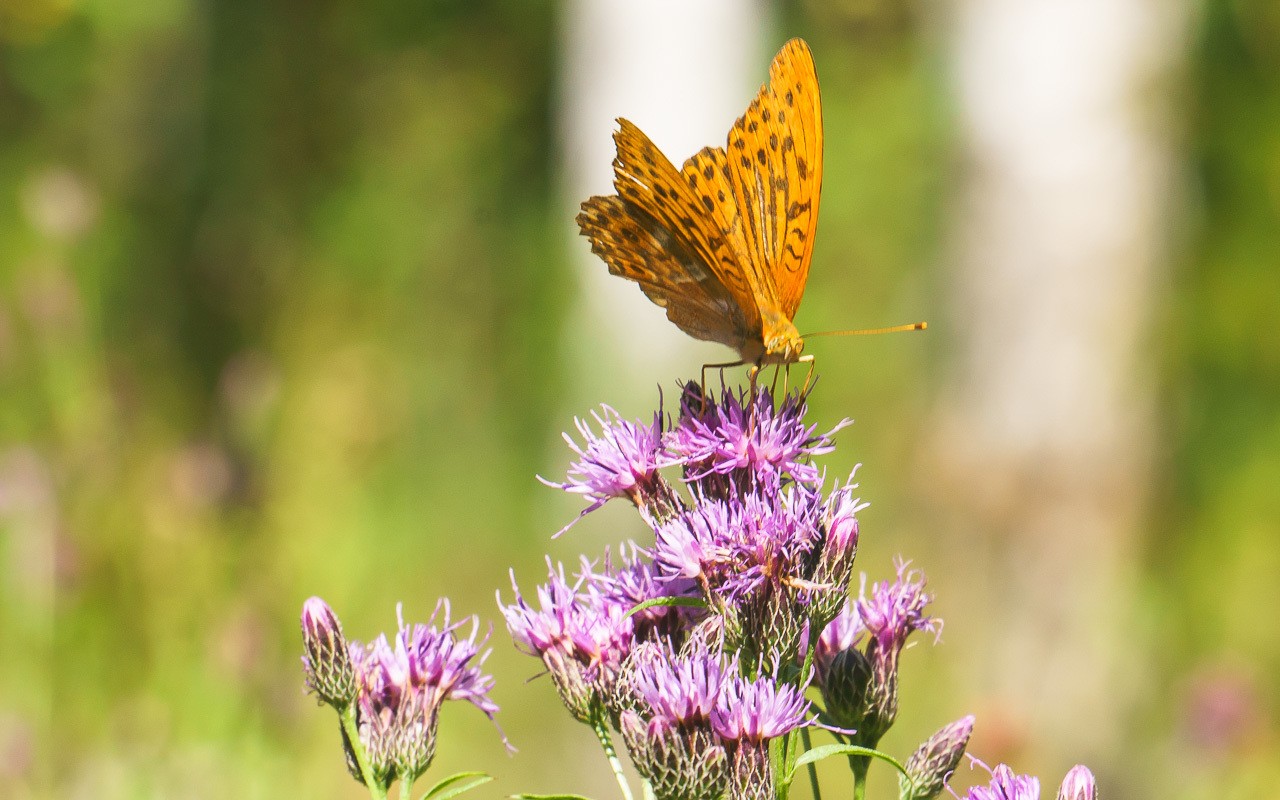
(1005, 784)
(621, 461)
(582, 630)
(697, 721)
(742, 440)
(404, 681)
(766, 557)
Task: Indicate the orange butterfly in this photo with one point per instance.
(724, 243)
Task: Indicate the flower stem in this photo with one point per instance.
(810, 768)
(859, 765)
(601, 728)
(348, 717)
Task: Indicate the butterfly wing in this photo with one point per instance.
(665, 235)
(775, 174)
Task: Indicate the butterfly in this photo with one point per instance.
(724, 243)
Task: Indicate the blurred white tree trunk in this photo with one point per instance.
(682, 71)
(1046, 422)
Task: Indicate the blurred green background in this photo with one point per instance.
(284, 295)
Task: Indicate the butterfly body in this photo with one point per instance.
(724, 242)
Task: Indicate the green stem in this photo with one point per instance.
(601, 728)
(406, 789)
(811, 768)
(348, 717)
(859, 765)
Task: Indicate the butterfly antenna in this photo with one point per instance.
(913, 326)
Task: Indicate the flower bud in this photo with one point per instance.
(844, 689)
(327, 661)
(1078, 785)
(931, 765)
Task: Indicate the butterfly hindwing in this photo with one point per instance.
(638, 247)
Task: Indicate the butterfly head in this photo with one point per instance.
(782, 343)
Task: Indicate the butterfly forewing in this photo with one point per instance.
(775, 173)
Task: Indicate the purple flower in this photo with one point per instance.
(678, 691)
(635, 581)
(756, 711)
(840, 524)
(748, 438)
(861, 687)
(623, 461)
(537, 630)
(1005, 785)
(581, 632)
(402, 686)
(737, 547)
(894, 610)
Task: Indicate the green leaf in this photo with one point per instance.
(666, 602)
(550, 797)
(442, 790)
(828, 750)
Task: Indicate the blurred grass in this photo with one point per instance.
(281, 291)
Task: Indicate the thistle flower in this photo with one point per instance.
(930, 766)
(681, 691)
(754, 555)
(622, 461)
(582, 635)
(748, 714)
(751, 712)
(1005, 784)
(636, 580)
(401, 686)
(891, 613)
(743, 441)
(668, 729)
(327, 664)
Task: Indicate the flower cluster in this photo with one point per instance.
(699, 647)
(697, 726)
(389, 692)
(704, 649)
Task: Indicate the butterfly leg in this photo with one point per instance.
(808, 377)
(722, 368)
(773, 388)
